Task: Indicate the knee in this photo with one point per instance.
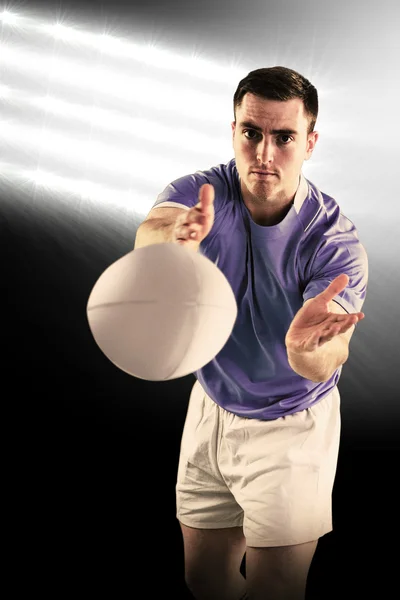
(205, 584)
(198, 581)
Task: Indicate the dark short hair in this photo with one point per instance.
(279, 83)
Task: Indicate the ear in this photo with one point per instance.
(233, 126)
(312, 139)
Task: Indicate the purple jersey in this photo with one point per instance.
(272, 270)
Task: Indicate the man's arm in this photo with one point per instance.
(320, 364)
(318, 339)
(186, 227)
(158, 226)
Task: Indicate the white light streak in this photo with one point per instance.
(145, 129)
(83, 188)
(133, 200)
(141, 90)
(5, 91)
(8, 18)
(140, 165)
(156, 57)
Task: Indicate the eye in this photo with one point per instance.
(285, 143)
(251, 134)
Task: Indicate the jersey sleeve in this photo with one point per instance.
(184, 192)
(340, 252)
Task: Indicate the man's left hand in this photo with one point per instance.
(314, 324)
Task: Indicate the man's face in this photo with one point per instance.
(271, 136)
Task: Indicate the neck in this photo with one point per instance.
(265, 210)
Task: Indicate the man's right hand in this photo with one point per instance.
(194, 225)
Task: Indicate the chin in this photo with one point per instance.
(264, 185)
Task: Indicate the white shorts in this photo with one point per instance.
(273, 478)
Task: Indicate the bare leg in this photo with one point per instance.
(278, 573)
(212, 562)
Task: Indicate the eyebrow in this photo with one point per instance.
(251, 125)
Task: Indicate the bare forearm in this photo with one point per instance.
(320, 364)
(153, 231)
(159, 231)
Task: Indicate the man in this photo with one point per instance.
(260, 443)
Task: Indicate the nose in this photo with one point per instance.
(265, 153)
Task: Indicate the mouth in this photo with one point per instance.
(263, 174)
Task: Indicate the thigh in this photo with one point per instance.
(279, 573)
(281, 473)
(213, 558)
(202, 497)
(219, 550)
